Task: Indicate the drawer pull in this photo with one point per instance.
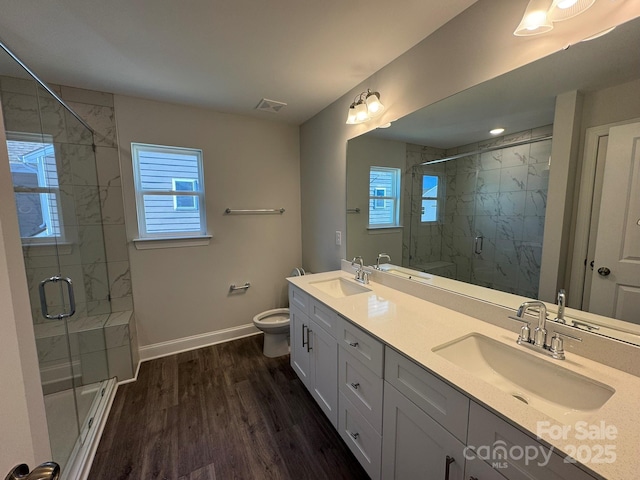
(353, 344)
(449, 460)
(355, 385)
(354, 435)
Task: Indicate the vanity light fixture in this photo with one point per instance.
(535, 19)
(496, 131)
(566, 9)
(365, 106)
(540, 15)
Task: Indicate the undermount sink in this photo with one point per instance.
(339, 287)
(549, 388)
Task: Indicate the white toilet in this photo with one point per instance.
(275, 325)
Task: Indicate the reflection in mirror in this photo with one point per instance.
(472, 206)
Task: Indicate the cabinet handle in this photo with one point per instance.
(353, 344)
(450, 460)
(308, 344)
(303, 341)
(355, 385)
(354, 435)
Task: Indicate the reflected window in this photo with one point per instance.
(430, 200)
(169, 191)
(384, 197)
(34, 173)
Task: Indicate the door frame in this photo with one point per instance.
(584, 209)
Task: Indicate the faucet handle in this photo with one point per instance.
(557, 345)
(525, 331)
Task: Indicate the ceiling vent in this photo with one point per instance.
(272, 106)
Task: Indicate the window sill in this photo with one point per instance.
(171, 242)
(384, 228)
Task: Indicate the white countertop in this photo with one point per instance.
(414, 327)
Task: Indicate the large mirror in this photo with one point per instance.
(463, 209)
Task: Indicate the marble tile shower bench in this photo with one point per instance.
(101, 346)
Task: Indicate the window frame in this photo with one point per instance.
(438, 198)
(140, 193)
(47, 194)
(394, 197)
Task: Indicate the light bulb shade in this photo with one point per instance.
(374, 105)
(536, 19)
(565, 9)
(351, 116)
(362, 114)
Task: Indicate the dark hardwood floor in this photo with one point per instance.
(221, 412)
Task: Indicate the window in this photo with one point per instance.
(184, 202)
(32, 162)
(169, 191)
(384, 197)
(430, 199)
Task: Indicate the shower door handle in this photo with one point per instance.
(43, 297)
(478, 244)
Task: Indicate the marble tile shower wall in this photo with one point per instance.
(499, 196)
(87, 189)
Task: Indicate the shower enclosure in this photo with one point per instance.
(479, 216)
(53, 168)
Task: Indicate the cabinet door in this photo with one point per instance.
(476, 469)
(324, 371)
(414, 445)
(298, 328)
(505, 444)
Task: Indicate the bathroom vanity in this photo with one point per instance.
(417, 390)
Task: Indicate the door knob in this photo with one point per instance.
(604, 271)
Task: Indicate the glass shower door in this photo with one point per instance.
(58, 204)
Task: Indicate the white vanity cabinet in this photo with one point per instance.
(424, 423)
(360, 364)
(487, 429)
(314, 350)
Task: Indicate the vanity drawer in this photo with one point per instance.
(299, 299)
(487, 429)
(443, 403)
(363, 441)
(362, 387)
(361, 345)
(323, 316)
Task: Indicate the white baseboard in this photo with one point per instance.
(157, 350)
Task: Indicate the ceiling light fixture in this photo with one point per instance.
(365, 106)
(496, 131)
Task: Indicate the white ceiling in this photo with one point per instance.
(223, 54)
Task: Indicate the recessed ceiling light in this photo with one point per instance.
(496, 131)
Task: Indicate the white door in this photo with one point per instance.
(324, 371)
(615, 287)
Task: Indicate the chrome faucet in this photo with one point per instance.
(562, 301)
(555, 348)
(381, 256)
(362, 275)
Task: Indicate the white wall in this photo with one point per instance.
(23, 425)
(248, 163)
(363, 153)
(474, 47)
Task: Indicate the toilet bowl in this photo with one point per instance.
(275, 325)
